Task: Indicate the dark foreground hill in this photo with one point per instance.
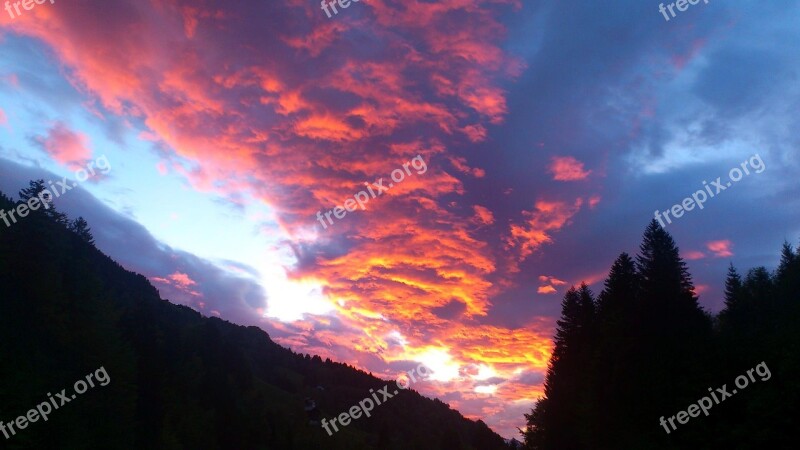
(178, 380)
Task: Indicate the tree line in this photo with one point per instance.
(644, 348)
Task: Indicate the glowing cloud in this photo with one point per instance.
(567, 168)
(546, 290)
(721, 249)
(546, 218)
(66, 147)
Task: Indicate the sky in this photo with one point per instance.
(539, 138)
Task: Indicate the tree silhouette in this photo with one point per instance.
(38, 189)
(81, 228)
(614, 372)
(567, 388)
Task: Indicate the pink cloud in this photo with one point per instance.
(701, 288)
(181, 282)
(552, 280)
(182, 279)
(567, 168)
(721, 249)
(65, 146)
(3, 118)
(693, 255)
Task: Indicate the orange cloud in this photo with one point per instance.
(721, 249)
(567, 168)
(483, 216)
(548, 284)
(546, 290)
(546, 218)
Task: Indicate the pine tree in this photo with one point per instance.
(676, 332)
(734, 313)
(664, 275)
(5, 199)
(559, 420)
(620, 289)
(38, 189)
(787, 277)
(733, 288)
(615, 368)
(80, 227)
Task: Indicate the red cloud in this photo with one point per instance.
(567, 168)
(65, 146)
(721, 249)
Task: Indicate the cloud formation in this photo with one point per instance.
(69, 148)
(567, 168)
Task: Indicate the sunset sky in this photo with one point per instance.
(551, 132)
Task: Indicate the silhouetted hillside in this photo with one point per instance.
(177, 380)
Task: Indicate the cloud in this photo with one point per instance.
(693, 255)
(483, 216)
(721, 249)
(567, 168)
(65, 146)
(546, 290)
(549, 284)
(547, 217)
(552, 280)
(179, 281)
